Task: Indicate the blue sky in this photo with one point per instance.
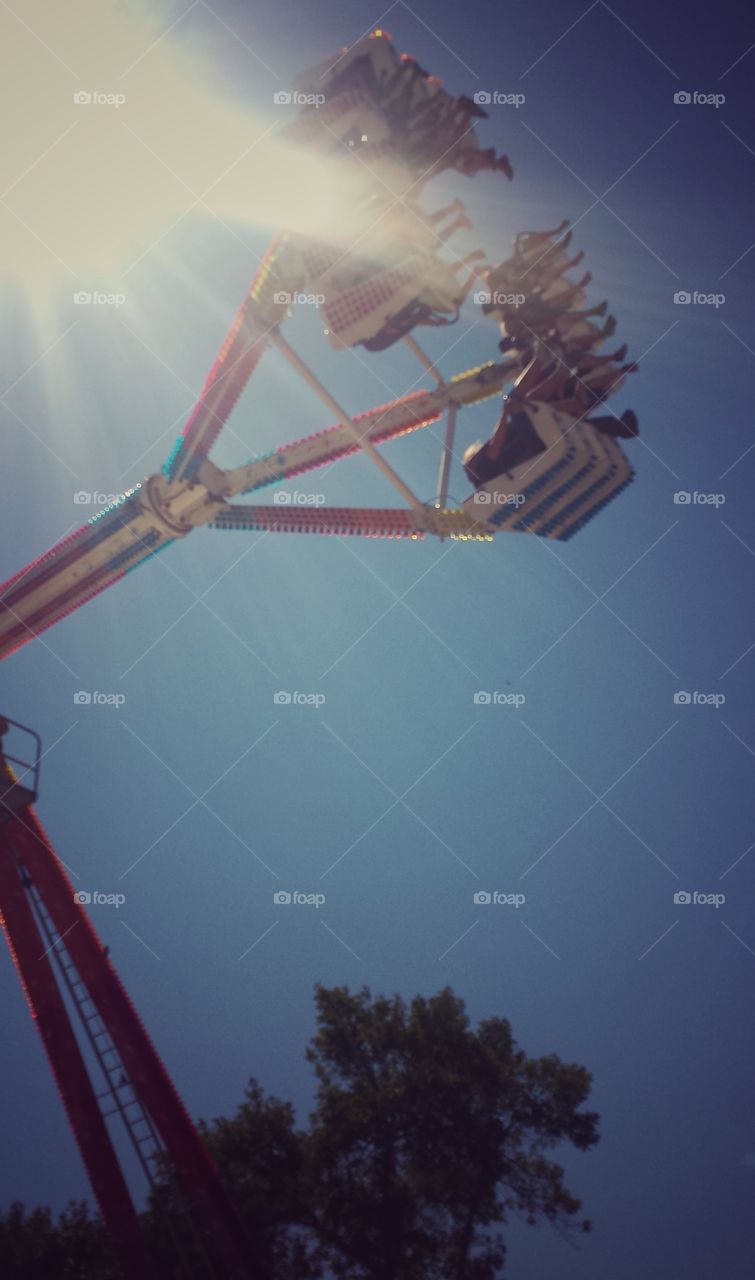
(598, 798)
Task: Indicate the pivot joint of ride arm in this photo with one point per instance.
(181, 505)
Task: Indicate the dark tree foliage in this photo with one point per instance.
(36, 1246)
(428, 1134)
(426, 1137)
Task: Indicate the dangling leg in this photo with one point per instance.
(457, 206)
(554, 267)
(503, 165)
(605, 382)
(474, 256)
(486, 159)
(460, 219)
(533, 238)
(588, 363)
(574, 262)
(460, 223)
(575, 316)
(472, 160)
(600, 310)
(576, 322)
(552, 257)
(625, 428)
(607, 331)
(562, 297)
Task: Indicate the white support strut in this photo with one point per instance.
(446, 456)
(309, 377)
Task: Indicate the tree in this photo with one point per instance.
(426, 1137)
(262, 1158)
(35, 1246)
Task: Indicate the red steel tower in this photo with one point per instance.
(108, 1066)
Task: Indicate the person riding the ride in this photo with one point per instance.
(515, 440)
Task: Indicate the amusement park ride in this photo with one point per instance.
(387, 127)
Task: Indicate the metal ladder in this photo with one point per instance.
(118, 1097)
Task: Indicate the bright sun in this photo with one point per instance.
(90, 187)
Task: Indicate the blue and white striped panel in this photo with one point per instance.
(556, 492)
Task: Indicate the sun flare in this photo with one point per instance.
(122, 134)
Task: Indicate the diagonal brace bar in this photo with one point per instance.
(309, 377)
